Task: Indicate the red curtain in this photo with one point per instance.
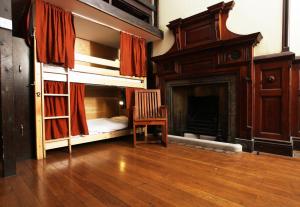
(129, 97)
(133, 55)
(55, 35)
(130, 102)
(140, 58)
(58, 106)
(126, 55)
(78, 118)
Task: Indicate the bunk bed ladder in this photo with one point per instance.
(43, 109)
(68, 116)
(69, 112)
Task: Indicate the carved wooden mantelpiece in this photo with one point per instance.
(204, 47)
(207, 32)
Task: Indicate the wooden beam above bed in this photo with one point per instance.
(109, 15)
(93, 76)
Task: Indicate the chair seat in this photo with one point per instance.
(150, 122)
(151, 119)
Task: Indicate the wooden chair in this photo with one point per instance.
(149, 111)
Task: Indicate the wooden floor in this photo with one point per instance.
(114, 174)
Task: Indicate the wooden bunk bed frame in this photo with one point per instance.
(80, 74)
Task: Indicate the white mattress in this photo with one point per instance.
(104, 125)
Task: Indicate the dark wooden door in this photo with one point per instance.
(1, 139)
(272, 101)
(24, 105)
(295, 98)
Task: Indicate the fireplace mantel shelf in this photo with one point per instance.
(251, 40)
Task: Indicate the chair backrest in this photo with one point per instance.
(147, 103)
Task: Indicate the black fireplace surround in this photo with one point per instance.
(203, 106)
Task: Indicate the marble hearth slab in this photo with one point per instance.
(207, 143)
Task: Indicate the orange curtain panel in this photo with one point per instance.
(129, 97)
(140, 58)
(133, 56)
(126, 55)
(129, 93)
(78, 117)
(130, 101)
(58, 106)
(55, 35)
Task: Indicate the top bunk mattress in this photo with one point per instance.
(105, 125)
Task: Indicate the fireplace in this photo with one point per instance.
(203, 106)
(208, 60)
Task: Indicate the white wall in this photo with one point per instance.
(247, 16)
(295, 26)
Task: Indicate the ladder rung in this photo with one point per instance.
(56, 117)
(58, 139)
(56, 72)
(55, 94)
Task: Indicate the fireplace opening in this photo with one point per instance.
(203, 116)
(203, 108)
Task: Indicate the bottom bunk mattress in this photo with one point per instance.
(105, 125)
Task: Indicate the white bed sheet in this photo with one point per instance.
(105, 125)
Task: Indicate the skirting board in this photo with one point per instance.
(296, 143)
(274, 147)
(247, 144)
(207, 143)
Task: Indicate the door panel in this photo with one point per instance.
(24, 105)
(272, 101)
(271, 114)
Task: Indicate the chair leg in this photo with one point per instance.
(164, 135)
(166, 139)
(134, 135)
(146, 134)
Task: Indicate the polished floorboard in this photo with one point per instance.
(114, 174)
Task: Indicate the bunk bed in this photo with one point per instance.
(88, 69)
(99, 129)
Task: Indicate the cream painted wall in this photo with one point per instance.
(295, 26)
(247, 16)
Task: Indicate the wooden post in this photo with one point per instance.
(40, 154)
(69, 112)
(43, 110)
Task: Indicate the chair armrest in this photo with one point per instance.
(163, 111)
